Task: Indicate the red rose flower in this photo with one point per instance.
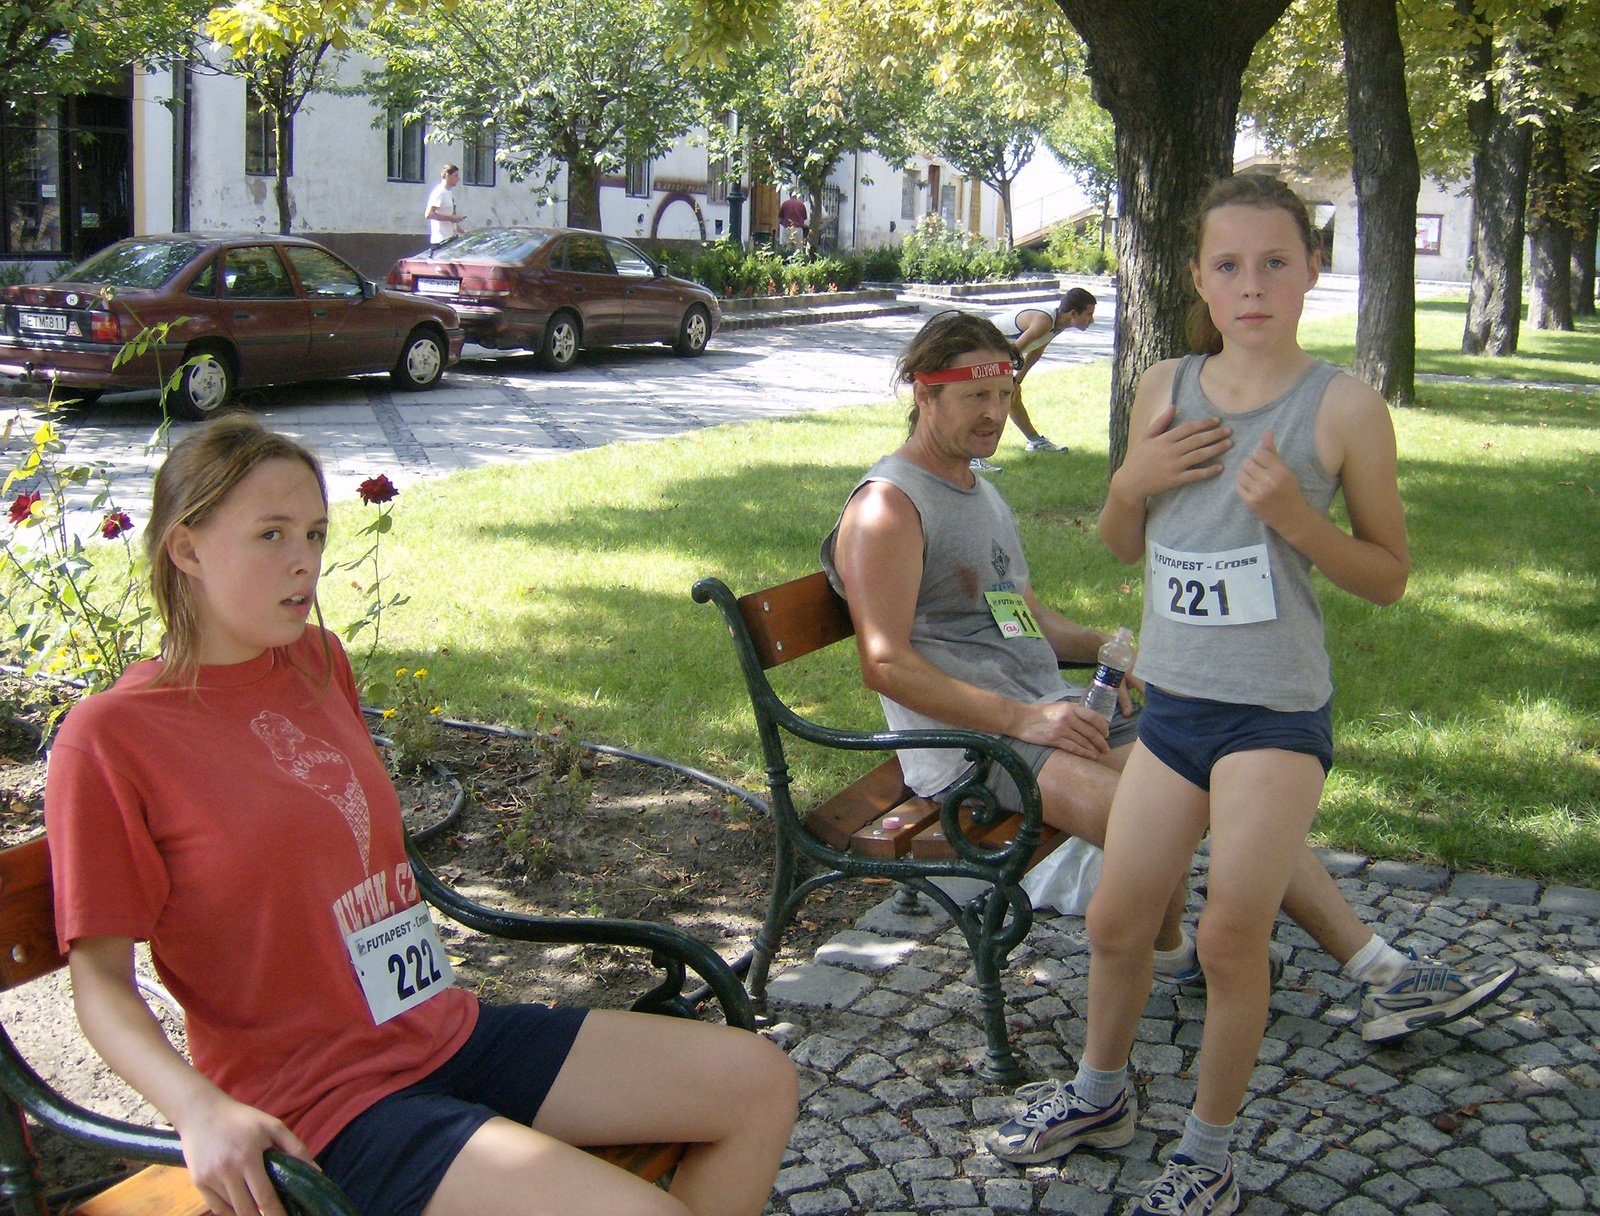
(22, 506)
(375, 490)
(115, 524)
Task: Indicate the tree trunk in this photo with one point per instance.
(1009, 232)
(280, 185)
(1583, 241)
(583, 193)
(1387, 179)
(814, 220)
(1502, 143)
(1168, 72)
(1549, 236)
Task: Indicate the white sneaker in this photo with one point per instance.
(980, 465)
(1040, 444)
(1057, 1121)
(1427, 993)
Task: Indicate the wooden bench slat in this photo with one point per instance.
(872, 797)
(160, 1190)
(916, 815)
(795, 618)
(27, 915)
(646, 1161)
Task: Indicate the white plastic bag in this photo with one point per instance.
(1066, 878)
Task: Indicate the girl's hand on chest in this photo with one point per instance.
(1269, 487)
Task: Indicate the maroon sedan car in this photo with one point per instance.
(245, 310)
(554, 290)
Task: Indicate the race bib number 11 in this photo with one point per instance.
(400, 962)
(1012, 614)
(1233, 587)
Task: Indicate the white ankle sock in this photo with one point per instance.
(1179, 960)
(1376, 963)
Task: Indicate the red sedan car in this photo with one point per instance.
(244, 310)
(555, 290)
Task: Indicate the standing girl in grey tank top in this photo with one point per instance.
(1236, 454)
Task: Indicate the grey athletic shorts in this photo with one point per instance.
(1123, 730)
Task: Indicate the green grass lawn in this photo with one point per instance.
(1467, 716)
(1542, 355)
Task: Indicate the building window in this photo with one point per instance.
(1430, 228)
(406, 160)
(947, 204)
(477, 156)
(260, 140)
(716, 179)
(638, 178)
(909, 181)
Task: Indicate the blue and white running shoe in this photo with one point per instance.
(1426, 994)
(1057, 1121)
(1187, 1188)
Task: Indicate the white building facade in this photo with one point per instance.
(359, 179)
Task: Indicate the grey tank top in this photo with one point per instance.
(1280, 663)
(969, 545)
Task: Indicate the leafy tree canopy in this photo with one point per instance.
(53, 48)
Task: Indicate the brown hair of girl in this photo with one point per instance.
(1240, 190)
(191, 486)
(944, 339)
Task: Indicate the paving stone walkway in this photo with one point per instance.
(1495, 1113)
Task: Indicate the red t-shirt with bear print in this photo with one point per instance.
(244, 827)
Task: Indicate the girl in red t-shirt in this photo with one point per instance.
(225, 804)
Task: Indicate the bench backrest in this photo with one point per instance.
(795, 618)
(27, 915)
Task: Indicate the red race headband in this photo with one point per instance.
(978, 371)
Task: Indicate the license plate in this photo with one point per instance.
(438, 287)
(45, 322)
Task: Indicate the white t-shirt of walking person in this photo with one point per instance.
(441, 202)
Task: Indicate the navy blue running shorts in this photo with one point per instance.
(1189, 735)
(391, 1157)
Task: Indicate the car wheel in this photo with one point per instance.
(205, 386)
(421, 362)
(694, 333)
(559, 349)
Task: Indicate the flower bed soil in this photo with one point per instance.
(546, 829)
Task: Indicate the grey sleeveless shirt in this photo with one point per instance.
(969, 545)
(1280, 663)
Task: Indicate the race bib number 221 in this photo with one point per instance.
(1231, 587)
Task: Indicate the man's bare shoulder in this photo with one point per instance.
(881, 509)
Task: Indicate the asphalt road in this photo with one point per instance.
(495, 407)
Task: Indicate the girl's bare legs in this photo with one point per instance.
(632, 1078)
(1157, 819)
(1262, 804)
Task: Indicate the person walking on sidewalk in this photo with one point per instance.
(1032, 329)
(443, 220)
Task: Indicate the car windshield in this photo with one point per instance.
(499, 244)
(137, 264)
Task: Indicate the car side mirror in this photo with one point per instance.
(660, 270)
(369, 289)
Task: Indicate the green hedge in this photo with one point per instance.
(934, 252)
(729, 270)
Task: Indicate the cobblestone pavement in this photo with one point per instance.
(1495, 1113)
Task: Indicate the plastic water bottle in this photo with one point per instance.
(1116, 656)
